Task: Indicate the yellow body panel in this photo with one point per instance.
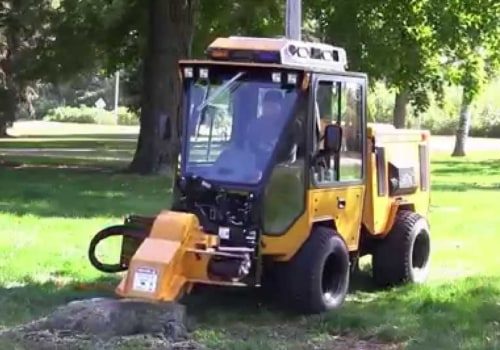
(157, 257)
(321, 206)
(401, 146)
(163, 254)
(285, 245)
(347, 219)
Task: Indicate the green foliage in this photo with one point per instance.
(88, 35)
(91, 115)
(127, 117)
(84, 89)
(416, 46)
(390, 40)
(380, 103)
(441, 115)
(468, 32)
(242, 17)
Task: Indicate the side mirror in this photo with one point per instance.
(333, 139)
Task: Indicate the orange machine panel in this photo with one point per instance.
(262, 44)
(400, 148)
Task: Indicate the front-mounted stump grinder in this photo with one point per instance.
(281, 182)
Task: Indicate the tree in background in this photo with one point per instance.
(399, 42)
(145, 41)
(469, 32)
(8, 88)
(21, 24)
(170, 33)
(390, 40)
(418, 47)
(160, 110)
(264, 18)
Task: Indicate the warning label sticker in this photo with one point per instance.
(145, 280)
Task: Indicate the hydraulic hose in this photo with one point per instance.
(118, 230)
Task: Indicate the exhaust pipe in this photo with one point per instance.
(293, 29)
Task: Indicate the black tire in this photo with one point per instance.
(403, 256)
(316, 279)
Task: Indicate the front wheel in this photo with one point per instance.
(317, 277)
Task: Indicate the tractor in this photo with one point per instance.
(281, 183)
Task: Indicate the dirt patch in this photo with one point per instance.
(348, 343)
(105, 324)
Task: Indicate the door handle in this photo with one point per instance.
(341, 203)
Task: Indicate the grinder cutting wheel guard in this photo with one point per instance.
(281, 183)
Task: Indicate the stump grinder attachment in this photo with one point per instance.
(281, 182)
(163, 257)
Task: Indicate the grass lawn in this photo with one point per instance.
(49, 212)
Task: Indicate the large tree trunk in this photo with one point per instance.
(9, 86)
(8, 92)
(400, 105)
(171, 28)
(3, 128)
(463, 125)
(8, 109)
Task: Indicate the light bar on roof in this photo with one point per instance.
(279, 50)
(306, 54)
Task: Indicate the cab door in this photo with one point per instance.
(336, 188)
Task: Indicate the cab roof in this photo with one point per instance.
(279, 51)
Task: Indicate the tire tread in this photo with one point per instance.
(303, 270)
(391, 264)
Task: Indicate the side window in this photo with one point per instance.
(328, 103)
(339, 102)
(284, 197)
(351, 156)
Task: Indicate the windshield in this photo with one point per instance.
(233, 121)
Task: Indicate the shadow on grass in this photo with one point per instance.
(460, 314)
(218, 306)
(111, 137)
(466, 167)
(94, 144)
(31, 300)
(207, 306)
(463, 187)
(59, 192)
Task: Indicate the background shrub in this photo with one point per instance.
(440, 120)
(91, 115)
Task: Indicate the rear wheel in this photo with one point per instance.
(404, 255)
(316, 279)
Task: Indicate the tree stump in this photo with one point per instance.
(105, 324)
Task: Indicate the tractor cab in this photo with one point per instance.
(268, 119)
